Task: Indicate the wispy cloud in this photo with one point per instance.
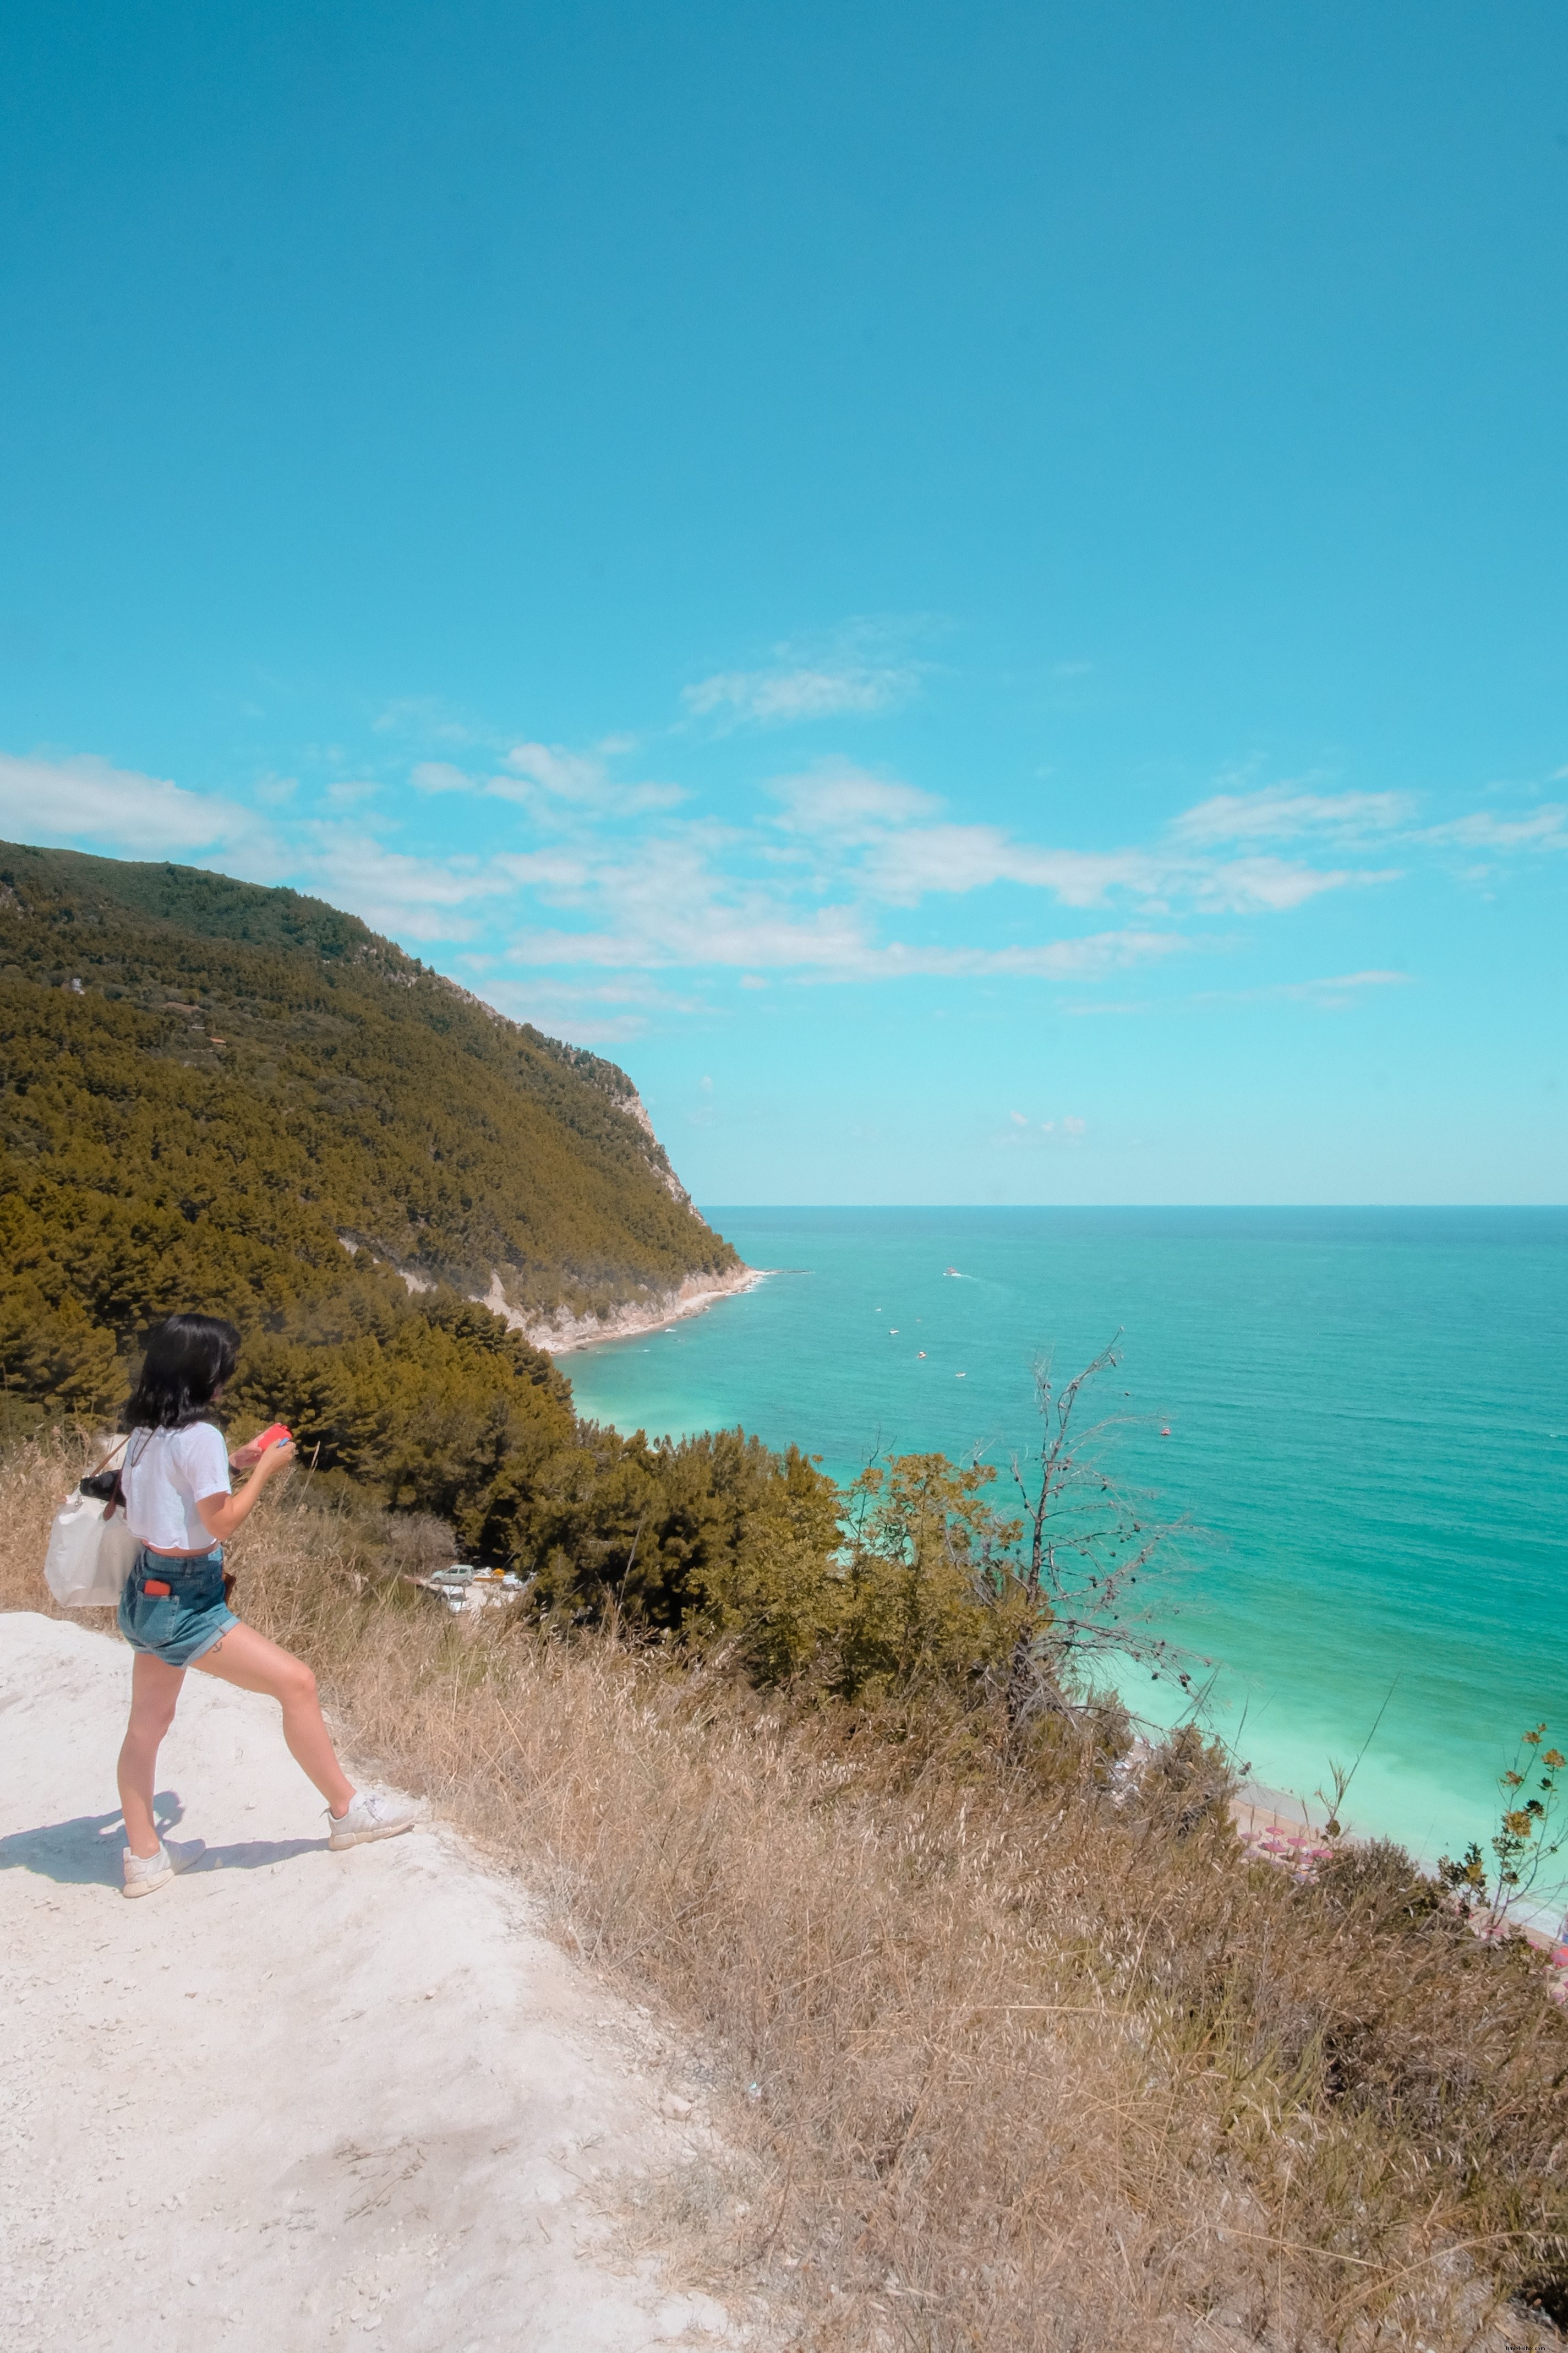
(1342, 984)
(413, 897)
(685, 900)
(1072, 959)
(860, 669)
(839, 803)
(1330, 992)
(606, 1012)
(779, 696)
(1044, 1134)
(592, 888)
(79, 796)
(1545, 828)
(1286, 813)
(552, 783)
(914, 863)
(549, 779)
(427, 720)
(908, 855)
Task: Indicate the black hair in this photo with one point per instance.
(189, 1359)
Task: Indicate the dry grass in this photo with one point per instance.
(1008, 2065)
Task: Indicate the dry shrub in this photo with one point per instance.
(1009, 2063)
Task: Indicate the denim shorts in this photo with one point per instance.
(179, 1626)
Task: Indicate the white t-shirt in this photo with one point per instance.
(166, 1472)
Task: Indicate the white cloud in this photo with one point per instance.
(682, 898)
(596, 1013)
(551, 781)
(778, 697)
(1283, 813)
(1332, 994)
(672, 908)
(852, 844)
(606, 888)
(1257, 885)
(1075, 959)
(1341, 983)
(425, 716)
(750, 932)
(1049, 1135)
(141, 816)
(844, 804)
(572, 776)
(560, 875)
(1545, 828)
(1329, 996)
(906, 860)
(416, 897)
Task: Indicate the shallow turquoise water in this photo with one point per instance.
(1368, 1414)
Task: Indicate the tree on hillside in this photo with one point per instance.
(1084, 1545)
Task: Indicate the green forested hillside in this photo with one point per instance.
(255, 1063)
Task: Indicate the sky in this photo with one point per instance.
(977, 597)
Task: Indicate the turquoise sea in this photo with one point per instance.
(1368, 1416)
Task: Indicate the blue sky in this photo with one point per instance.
(977, 595)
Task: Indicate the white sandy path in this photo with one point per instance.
(295, 2097)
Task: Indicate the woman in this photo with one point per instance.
(181, 1509)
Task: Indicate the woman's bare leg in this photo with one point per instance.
(154, 1692)
(249, 1659)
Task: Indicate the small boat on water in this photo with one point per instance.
(952, 1270)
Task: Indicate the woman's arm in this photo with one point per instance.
(222, 1515)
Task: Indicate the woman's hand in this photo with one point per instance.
(247, 1457)
(222, 1515)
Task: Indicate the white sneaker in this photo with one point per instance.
(145, 1873)
(368, 1817)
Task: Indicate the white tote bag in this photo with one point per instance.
(89, 1554)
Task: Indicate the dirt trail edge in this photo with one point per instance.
(295, 2097)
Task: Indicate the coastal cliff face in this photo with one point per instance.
(612, 1081)
(632, 1103)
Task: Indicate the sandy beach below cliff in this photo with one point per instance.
(563, 1334)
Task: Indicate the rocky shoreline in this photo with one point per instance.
(561, 1334)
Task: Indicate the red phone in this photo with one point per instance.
(273, 1437)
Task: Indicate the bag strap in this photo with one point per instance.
(117, 1500)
